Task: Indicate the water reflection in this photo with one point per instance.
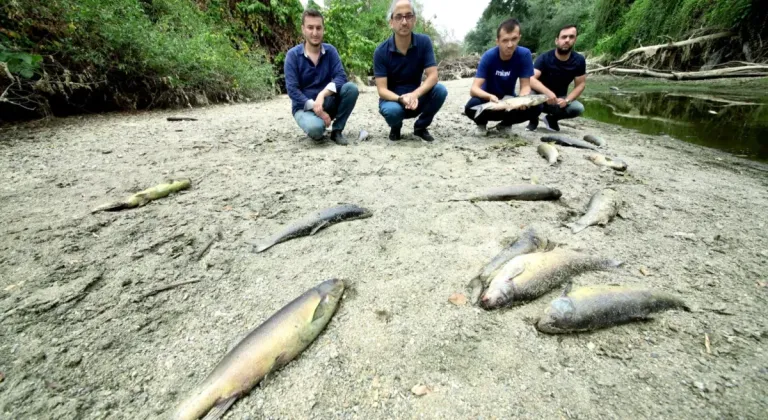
(734, 124)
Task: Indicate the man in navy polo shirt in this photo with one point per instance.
(554, 72)
(496, 77)
(398, 65)
(316, 83)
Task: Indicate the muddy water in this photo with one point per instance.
(735, 123)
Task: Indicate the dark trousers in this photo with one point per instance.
(516, 116)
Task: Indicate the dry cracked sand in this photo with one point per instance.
(81, 339)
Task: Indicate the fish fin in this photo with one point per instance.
(260, 247)
(319, 312)
(575, 227)
(318, 227)
(475, 289)
(219, 409)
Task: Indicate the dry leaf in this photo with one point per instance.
(644, 271)
(706, 344)
(420, 390)
(458, 299)
(2, 376)
(227, 208)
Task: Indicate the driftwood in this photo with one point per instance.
(164, 288)
(653, 49)
(458, 68)
(727, 102)
(142, 198)
(754, 70)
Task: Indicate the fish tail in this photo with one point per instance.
(576, 227)
(479, 109)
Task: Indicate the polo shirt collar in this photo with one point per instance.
(304, 52)
(393, 46)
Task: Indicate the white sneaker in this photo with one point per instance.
(481, 130)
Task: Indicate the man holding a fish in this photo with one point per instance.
(493, 90)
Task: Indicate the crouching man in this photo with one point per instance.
(316, 83)
(496, 77)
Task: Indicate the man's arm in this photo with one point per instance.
(380, 75)
(291, 69)
(539, 87)
(477, 91)
(428, 83)
(384, 93)
(525, 86)
(580, 83)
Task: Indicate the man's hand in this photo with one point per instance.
(318, 107)
(562, 102)
(493, 98)
(325, 117)
(409, 101)
(551, 98)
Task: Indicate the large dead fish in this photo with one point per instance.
(310, 224)
(549, 152)
(509, 103)
(142, 198)
(529, 241)
(523, 192)
(265, 349)
(607, 162)
(567, 141)
(597, 141)
(528, 276)
(602, 208)
(593, 307)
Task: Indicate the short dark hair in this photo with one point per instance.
(567, 27)
(311, 13)
(508, 25)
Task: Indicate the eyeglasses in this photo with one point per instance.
(398, 18)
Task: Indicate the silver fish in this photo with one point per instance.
(522, 192)
(593, 307)
(567, 141)
(549, 152)
(310, 224)
(509, 103)
(602, 208)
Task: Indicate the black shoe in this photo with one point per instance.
(424, 134)
(551, 123)
(338, 138)
(394, 133)
(532, 125)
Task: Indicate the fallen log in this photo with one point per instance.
(730, 72)
(142, 198)
(651, 50)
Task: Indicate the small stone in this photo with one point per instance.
(420, 390)
(458, 299)
(712, 388)
(591, 346)
(699, 385)
(526, 178)
(73, 360)
(644, 271)
(2, 377)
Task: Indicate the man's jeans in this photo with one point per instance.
(507, 118)
(339, 107)
(429, 104)
(572, 110)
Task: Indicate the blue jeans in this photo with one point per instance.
(338, 106)
(507, 118)
(429, 104)
(572, 110)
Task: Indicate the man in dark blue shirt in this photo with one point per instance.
(554, 71)
(398, 66)
(496, 77)
(316, 83)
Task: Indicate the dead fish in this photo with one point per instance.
(607, 162)
(597, 141)
(144, 197)
(528, 276)
(529, 241)
(509, 103)
(549, 152)
(267, 348)
(522, 192)
(567, 141)
(310, 224)
(594, 307)
(602, 208)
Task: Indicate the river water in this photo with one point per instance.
(734, 122)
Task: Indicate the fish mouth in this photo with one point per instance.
(332, 288)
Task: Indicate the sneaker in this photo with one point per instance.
(532, 126)
(481, 130)
(551, 123)
(394, 133)
(424, 134)
(338, 138)
(504, 129)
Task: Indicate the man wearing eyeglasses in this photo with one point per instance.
(496, 77)
(554, 72)
(398, 66)
(316, 83)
